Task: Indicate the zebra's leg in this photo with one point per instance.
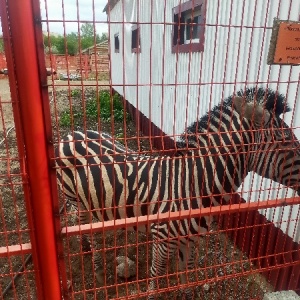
(87, 245)
(84, 218)
(186, 262)
(161, 251)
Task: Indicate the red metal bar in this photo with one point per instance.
(208, 211)
(24, 52)
(19, 132)
(15, 250)
(50, 149)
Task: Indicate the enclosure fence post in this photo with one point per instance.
(24, 48)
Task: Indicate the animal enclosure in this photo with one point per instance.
(166, 164)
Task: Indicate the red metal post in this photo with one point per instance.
(26, 74)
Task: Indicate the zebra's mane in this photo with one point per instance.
(271, 100)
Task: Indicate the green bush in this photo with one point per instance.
(108, 106)
(75, 93)
(65, 118)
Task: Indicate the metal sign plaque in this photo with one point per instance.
(287, 49)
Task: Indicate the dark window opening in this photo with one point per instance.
(192, 28)
(117, 43)
(178, 34)
(135, 40)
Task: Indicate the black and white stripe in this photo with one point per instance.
(244, 133)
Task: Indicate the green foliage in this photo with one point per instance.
(88, 36)
(72, 43)
(75, 93)
(104, 37)
(59, 44)
(69, 44)
(1, 45)
(109, 107)
(91, 109)
(65, 118)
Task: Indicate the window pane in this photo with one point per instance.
(192, 28)
(196, 27)
(117, 43)
(188, 29)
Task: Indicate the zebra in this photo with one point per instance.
(106, 145)
(214, 154)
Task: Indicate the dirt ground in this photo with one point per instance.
(215, 258)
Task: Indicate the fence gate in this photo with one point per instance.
(164, 123)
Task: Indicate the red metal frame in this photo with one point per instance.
(179, 215)
(28, 102)
(15, 249)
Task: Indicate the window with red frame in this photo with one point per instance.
(188, 26)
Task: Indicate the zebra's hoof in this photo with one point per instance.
(100, 276)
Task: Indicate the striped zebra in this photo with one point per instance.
(105, 144)
(244, 133)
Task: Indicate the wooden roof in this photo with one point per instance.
(101, 47)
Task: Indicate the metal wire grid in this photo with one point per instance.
(14, 228)
(222, 267)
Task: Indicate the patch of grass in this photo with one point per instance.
(75, 93)
(65, 118)
(104, 106)
(111, 107)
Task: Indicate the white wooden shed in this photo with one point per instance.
(171, 77)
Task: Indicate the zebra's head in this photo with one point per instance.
(275, 150)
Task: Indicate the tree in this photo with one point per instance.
(104, 37)
(58, 44)
(88, 37)
(50, 44)
(72, 43)
(69, 44)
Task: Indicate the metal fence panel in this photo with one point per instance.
(129, 71)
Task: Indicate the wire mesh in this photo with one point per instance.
(140, 73)
(14, 224)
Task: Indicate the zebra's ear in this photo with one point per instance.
(254, 113)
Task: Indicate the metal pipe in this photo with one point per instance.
(178, 215)
(24, 52)
(15, 250)
(5, 20)
(142, 220)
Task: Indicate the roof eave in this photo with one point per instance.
(110, 5)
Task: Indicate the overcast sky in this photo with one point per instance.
(73, 12)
